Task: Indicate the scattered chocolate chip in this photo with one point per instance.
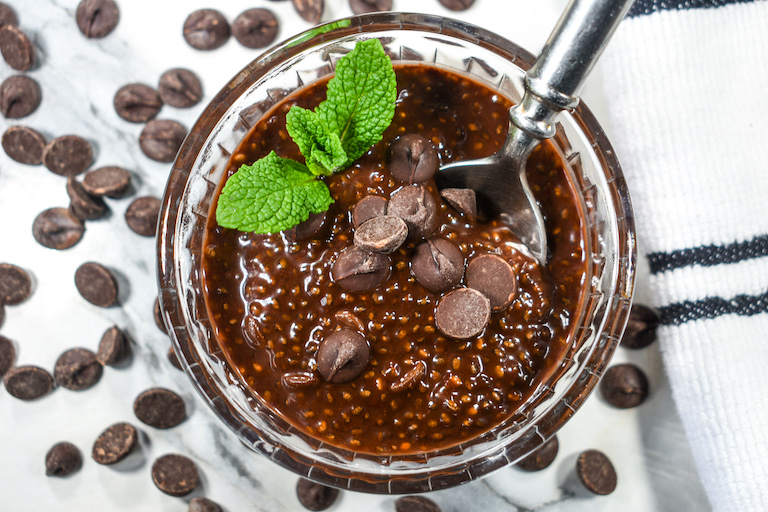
(357, 270)
(255, 28)
(15, 284)
(97, 18)
(416, 504)
(299, 380)
(137, 103)
(457, 5)
(492, 276)
(160, 408)
(412, 158)
(416, 206)
(310, 10)
(110, 181)
(161, 139)
(410, 378)
(8, 16)
(366, 6)
(315, 496)
(57, 228)
(463, 200)
(63, 459)
(142, 214)
(97, 284)
(159, 317)
(7, 355)
(24, 145)
(368, 208)
(624, 386)
(203, 505)
(77, 369)
(342, 356)
(174, 359)
(16, 48)
(115, 443)
(19, 96)
(206, 29)
(641, 327)
(437, 264)
(315, 224)
(381, 234)
(542, 457)
(113, 347)
(68, 156)
(463, 313)
(180, 88)
(83, 205)
(175, 474)
(595, 471)
(28, 382)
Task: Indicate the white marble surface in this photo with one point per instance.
(79, 78)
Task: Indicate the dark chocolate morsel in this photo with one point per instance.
(437, 264)
(542, 457)
(492, 276)
(8, 16)
(160, 408)
(68, 156)
(180, 88)
(142, 214)
(416, 206)
(342, 356)
(28, 382)
(366, 6)
(77, 369)
(412, 159)
(463, 313)
(203, 505)
(19, 96)
(7, 354)
(463, 200)
(159, 317)
(357, 270)
(457, 5)
(641, 327)
(381, 234)
(416, 504)
(107, 181)
(115, 443)
(368, 208)
(255, 28)
(206, 29)
(595, 471)
(175, 474)
(15, 284)
(310, 10)
(97, 18)
(624, 386)
(24, 145)
(137, 103)
(57, 228)
(83, 205)
(161, 139)
(63, 459)
(315, 496)
(97, 284)
(174, 359)
(18, 51)
(113, 347)
(315, 224)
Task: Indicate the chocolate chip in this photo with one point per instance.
(206, 29)
(410, 378)
(137, 103)
(463, 200)
(113, 347)
(342, 356)
(641, 327)
(180, 88)
(161, 139)
(174, 359)
(77, 369)
(315, 496)
(7, 355)
(203, 505)
(457, 5)
(159, 322)
(310, 10)
(416, 504)
(160, 408)
(142, 214)
(68, 156)
(624, 386)
(24, 145)
(57, 228)
(596, 472)
(463, 313)
(18, 51)
(8, 16)
(115, 444)
(97, 18)
(357, 270)
(28, 382)
(97, 284)
(63, 459)
(542, 457)
(15, 285)
(255, 28)
(19, 96)
(368, 208)
(416, 206)
(315, 224)
(107, 181)
(492, 276)
(366, 6)
(381, 234)
(175, 474)
(412, 158)
(437, 264)
(83, 205)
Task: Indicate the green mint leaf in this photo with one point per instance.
(361, 98)
(322, 149)
(271, 195)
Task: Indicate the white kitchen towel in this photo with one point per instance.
(687, 90)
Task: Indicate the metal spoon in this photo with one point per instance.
(551, 86)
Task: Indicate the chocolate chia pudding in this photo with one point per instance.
(275, 299)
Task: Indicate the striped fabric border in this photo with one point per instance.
(712, 307)
(709, 255)
(641, 7)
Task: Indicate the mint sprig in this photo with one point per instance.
(277, 193)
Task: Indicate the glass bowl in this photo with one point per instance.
(202, 160)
